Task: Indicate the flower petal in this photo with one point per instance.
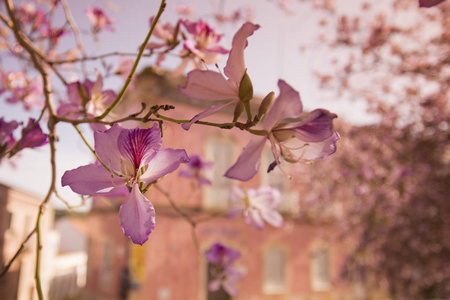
(91, 180)
(164, 162)
(248, 162)
(139, 145)
(107, 148)
(315, 127)
(206, 113)
(235, 67)
(137, 217)
(287, 105)
(253, 217)
(272, 217)
(311, 151)
(208, 85)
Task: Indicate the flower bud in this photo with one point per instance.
(265, 105)
(238, 111)
(245, 88)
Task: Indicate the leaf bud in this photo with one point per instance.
(238, 111)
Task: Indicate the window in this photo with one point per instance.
(220, 150)
(320, 269)
(279, 180)
(274, 271)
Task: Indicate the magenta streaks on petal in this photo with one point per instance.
(315, 127)
(137, 217)
(138, 144)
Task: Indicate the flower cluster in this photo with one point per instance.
(292, 137)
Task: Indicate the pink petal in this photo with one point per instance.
(315, 127)
(206, 113)
(287, 105)
(253, 217)
(248, 162)
(107, 148)
(91, 180)
(164, 162)
(208, 85)
(235, 67)
(139, 145)
(137, 217)
(272, 217)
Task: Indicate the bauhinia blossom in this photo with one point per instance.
(131, 158)
(87, 100)
(213, 86)
(222, 270)
(168, 36)
(32, 137)
(256, 206)
(429, 3)
(196, 168)
(99, 19)
(292, 138)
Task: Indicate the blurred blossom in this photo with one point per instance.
(133, 159)
(99, 19)
(184, 10)
(168, 36)
(87, 99)
(211, 86)
(124, 67)
(202, 47)
(7, 140)
(256, 206)
(27, 13)
(429, 3)
(224, 274)
(32, 136)
(21, 89)
(292, 138)
(196, 168)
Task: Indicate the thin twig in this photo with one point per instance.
(76, 32)
(136, 62)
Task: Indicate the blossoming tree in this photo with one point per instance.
(130, 161)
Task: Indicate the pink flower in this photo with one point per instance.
(202, 48)
(213, 86)
(87, 99)
(291, 137)
(224, 274)
(32, 136)
(7, 140)
(131, 158)
(21, 89)
(195, 169)
(169, 40)
(99, 19)
(256, 206)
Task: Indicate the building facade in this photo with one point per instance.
(18, 214)
(299, 261)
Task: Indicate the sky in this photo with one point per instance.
(273, 53)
